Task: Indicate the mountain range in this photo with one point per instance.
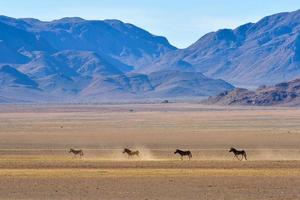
(77, 60)
(254, 54)
(283, 94)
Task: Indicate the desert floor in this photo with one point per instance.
(35, 163)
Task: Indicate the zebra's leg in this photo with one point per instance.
(240, 158)
(237, 157)
(181, 157)
(234, 157)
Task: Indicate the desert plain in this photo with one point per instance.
(35, 163)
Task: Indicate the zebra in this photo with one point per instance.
(184, 153)
(131, 153)
(76, 152)
(237, 153)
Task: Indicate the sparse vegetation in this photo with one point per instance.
(34, 154)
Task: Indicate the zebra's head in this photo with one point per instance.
(125, 150)
(231, 149)
(177, 150)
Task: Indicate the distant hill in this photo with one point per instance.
(10, 77)
(266, 52)
(183, 84)
(123, 41)
(77, 60)
(284, 94)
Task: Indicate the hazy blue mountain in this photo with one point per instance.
(10, 77)
(5, 100)
(122, 41)
(183, 84)
(119, 85)
(72, 64)
(73, 59)
(68, 71)
(125, 42)
(18, 87)
(14, 42)
(265, 52)
(164, 84)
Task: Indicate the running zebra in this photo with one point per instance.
(184, 153)
(237, 153)
(76, 152)
(131, 153)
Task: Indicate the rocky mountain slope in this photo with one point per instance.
(76, 60)
(266, 52)
(284, 94)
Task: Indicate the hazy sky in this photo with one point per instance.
(181, 21)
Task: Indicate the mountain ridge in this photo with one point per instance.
(281, 94)
(72, 59)
(265, 52)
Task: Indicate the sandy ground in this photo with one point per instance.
(35, 164)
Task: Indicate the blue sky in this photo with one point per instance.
(181, 21)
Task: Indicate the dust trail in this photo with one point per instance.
(145, 154)
(105, 155)
(275, 154)
(96, 154)
(118, 155)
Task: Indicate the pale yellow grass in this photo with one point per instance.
(60, 173)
